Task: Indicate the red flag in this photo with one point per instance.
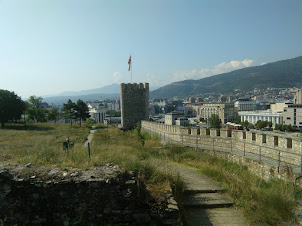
(129, 62)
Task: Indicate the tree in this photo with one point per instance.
(214, 121)
(69, 110)
(11, 106)
(35, 111)
(245, 123)
(82, 111)
(53, 115)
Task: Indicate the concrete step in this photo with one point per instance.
(207, 200)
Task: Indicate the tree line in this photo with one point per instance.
(12, 108)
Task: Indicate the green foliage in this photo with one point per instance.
(53, 115)
(11, 106)
(283, 127)
(82, 111)
(262, 124)
(214, 121)
(69, 111)
(237, 120)
(35, 111)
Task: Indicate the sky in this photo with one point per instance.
(51, 46)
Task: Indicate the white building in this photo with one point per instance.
(276, 117)
(97, 112)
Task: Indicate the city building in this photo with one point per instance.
(292, 115)
(268, 115)
(226, 112)
(171, 117)
(245, 105)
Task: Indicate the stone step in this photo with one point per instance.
(188, 191)
(210, 217)
(207, 200)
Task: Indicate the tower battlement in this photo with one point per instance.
(125, 86)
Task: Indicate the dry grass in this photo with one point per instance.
(41, 144)
(262, 202)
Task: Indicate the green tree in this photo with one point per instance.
(82, 111)
(35, 111)
(237, 120)
(69, 110)
(214, 121)
(53, 115)
(11, 106)
(245, 123)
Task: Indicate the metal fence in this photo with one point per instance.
(269, 155)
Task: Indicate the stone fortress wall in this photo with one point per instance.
(283, 154)
(134, 104)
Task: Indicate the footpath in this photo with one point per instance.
(204, 202)
(90, 136)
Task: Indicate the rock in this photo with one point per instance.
(28, 165)
(75, 174)
(53, 171)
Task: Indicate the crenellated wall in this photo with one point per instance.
(276, 150)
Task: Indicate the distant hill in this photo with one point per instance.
(110, 91)
(59, 100)
(280, 74)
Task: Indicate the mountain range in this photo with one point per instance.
(110, 91)
(280, 74)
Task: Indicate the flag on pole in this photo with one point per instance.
(129, 62)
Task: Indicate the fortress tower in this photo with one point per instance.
(134, 104)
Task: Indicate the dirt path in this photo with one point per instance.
(90, 136)
(203, 205)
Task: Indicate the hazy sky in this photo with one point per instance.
(50, 46)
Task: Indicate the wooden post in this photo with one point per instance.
(89, 150)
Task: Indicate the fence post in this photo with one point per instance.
(89, 150)
(231, 145)
(279, 161)
(213, 143)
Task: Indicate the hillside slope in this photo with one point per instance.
(285, 73)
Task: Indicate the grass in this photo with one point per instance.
(262, 202)
(42, 144)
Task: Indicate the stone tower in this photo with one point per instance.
(134, 104)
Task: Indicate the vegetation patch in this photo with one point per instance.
(262, 202)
